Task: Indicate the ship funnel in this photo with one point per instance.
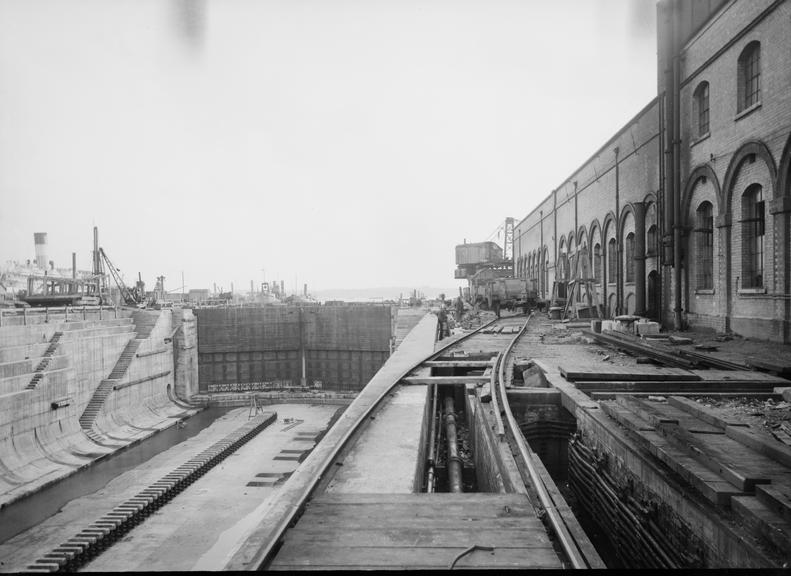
(40, 238)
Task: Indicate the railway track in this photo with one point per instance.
(362, 523)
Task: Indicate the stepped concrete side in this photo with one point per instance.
(93, 359)
(43, 316)
(138, 402)
(19, 383)
(41, 332)
(41, 439)
(23, 352)
(15, 368)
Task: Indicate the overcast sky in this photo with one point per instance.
(335, 143)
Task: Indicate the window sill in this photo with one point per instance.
(704, 291)
(750, 291)
(699, 140)
(747, 111)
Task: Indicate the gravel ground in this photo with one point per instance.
(771, 416)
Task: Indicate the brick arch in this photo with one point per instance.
(627, 209)
(609, 218)
(752, 147)
(783, 187)
(702, 171)
(582, 234)
(591, 230)
(726, 207)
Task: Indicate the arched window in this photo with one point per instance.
(597, 263)
(704, 237)
(753, 228)
(629, 257)
(650, 241)
(749, 76)
(702, 108)
(612, 262)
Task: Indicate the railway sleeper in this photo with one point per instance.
(59, 559)
(41, 566)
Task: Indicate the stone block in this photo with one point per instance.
(647, 328)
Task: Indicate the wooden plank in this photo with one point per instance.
(724, 456)
(458, 363)
(423, 498)
(299, 556)
(754, 395)
(445, 379)
(673, 387)
(418, 535)
(709, 415)
(771, 366)
(463, 512)
(350, 521)
(533, 396)
(772, 449)
(740, 376)
(711, 485)
(759, 518)
(645, 410)
(777, 498)
(626, 417)
(635, 373)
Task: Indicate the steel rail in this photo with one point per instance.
(260, 559)
(567, 542)
(498, 420)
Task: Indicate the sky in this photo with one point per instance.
(342, 144)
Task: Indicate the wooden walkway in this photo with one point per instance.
(417, 531)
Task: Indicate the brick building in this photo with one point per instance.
(683, 214)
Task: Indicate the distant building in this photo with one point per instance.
(196, 295)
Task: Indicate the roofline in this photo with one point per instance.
(599, 150)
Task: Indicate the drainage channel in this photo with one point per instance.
(100, 535)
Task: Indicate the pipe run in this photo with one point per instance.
(432, 452)
(454, 462)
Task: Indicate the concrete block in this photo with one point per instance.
(647, 328)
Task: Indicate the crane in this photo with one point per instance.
(130, 297)
(507, 228)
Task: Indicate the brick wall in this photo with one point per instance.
(587, 198)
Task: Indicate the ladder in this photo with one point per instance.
(255, 408)
(584, 277)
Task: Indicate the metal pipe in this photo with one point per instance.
(454, 462)
(432, 452)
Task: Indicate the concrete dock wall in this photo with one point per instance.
(53, 372)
